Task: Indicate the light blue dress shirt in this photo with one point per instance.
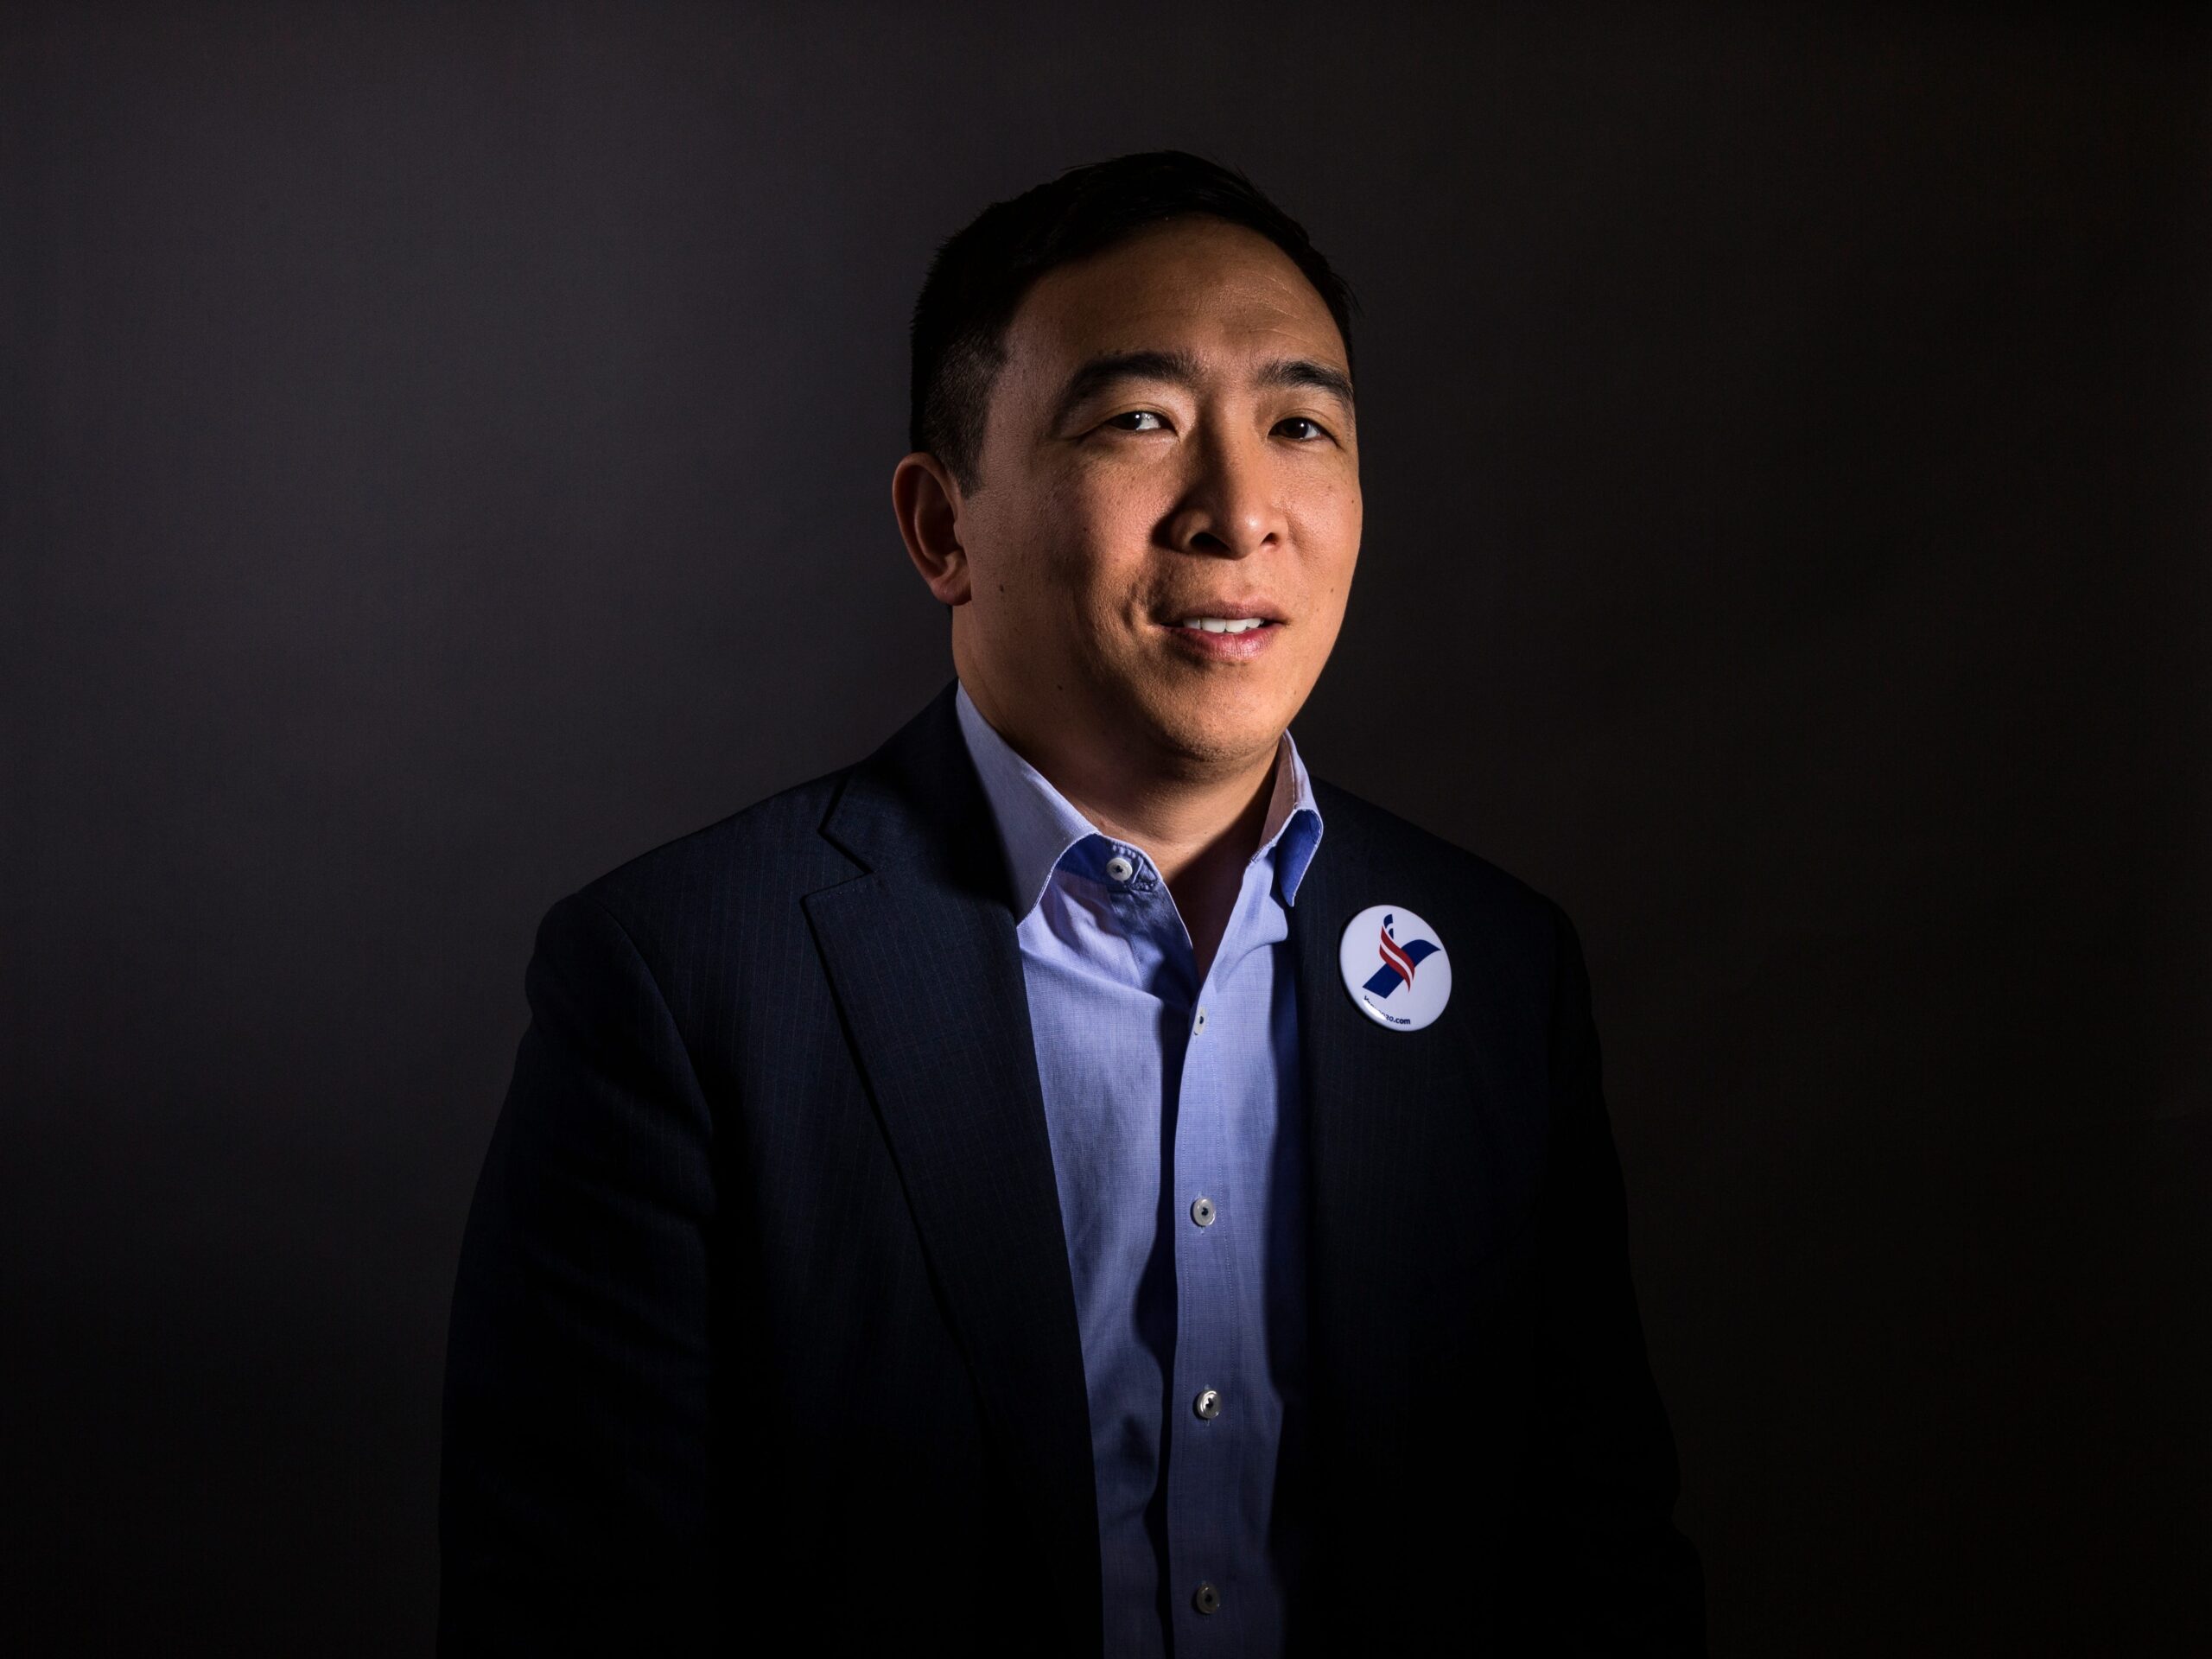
(1175, 1118)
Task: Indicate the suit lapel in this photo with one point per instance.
(1412, 1146)
(922, 953)
(1371, 1098)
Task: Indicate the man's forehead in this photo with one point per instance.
(1201, 286)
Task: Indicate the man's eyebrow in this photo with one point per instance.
(1180, 367)
(1290, 373)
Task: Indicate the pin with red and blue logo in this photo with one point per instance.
(1395, 966)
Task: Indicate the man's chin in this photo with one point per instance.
(1211, 732)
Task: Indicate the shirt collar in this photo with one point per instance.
(1038, 824)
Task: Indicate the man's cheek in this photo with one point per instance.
(1117, 506)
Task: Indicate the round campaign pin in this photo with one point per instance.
(1395, 966)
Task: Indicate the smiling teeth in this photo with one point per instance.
(1223, 624)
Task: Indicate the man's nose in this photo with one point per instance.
(1231, 509)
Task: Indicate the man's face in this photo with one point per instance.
(1169, 458)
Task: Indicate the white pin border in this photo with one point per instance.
(1359, 954)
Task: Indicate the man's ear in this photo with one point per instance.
(926, 498)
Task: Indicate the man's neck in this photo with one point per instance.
(1178, 821)
(1199, 826)
(1201, 853)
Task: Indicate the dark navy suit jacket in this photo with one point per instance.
(763, 1340)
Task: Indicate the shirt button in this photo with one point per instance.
(1119, 869)
(1208, 1600)
(1199, 1024)
(1202, 1212)
(1208, 1404)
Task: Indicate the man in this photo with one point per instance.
(1071, 1184)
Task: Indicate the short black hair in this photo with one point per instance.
(979, 276)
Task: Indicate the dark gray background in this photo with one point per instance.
(446, 452)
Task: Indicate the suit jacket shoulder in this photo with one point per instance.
(771, 851)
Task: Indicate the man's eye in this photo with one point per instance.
(1306, 432)
(1136, 421)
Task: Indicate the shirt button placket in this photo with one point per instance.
(1204, 1481)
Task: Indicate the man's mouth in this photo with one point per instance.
(1239, 632)
(1224, 624)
